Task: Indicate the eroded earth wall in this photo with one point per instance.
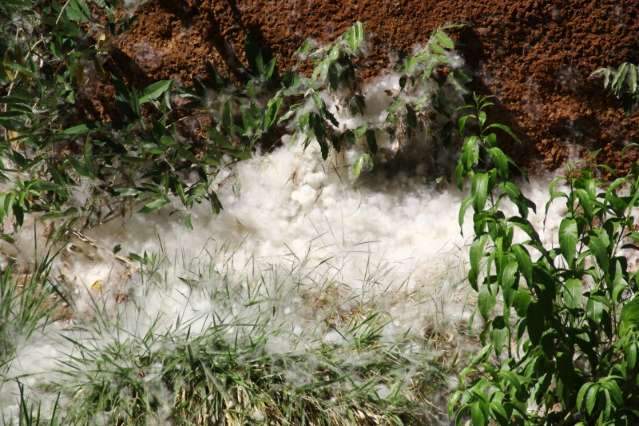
(535, 56)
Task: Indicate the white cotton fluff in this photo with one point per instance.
(295, 233)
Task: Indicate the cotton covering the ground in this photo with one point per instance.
(300, 252)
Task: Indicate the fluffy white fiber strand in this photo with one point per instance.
(301, 224)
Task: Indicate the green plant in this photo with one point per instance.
(56, 148)
(26, 304)
(334, 63)
(205, 379)
(622, 82)
(142, 148)
(334, 71)
(560, 322)
(229, 367)
(429, 66)
(31, 414)
(431, 89)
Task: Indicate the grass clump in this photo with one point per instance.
(277, 348)
(27, 302)
(208, 379)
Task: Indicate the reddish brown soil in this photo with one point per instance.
(535, 56)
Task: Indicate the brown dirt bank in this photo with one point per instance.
(535, 56)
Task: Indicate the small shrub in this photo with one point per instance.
(432, 87)
(560, 322)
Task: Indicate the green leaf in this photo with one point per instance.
(631, 80)
(461, 123)
(360, 131)
(479, 191)
(581, 395)
(216, 204)
(363, 163)
(154, 91)
(508, 277)
(227, 118)
(78, 11)
(490, 139)
(486, 302)
(452, 402)
(371, 141)
(499, 334)
(598, 243)
(3, 210)
(595, 309)
(481, 117)
(272, 110)
(477, 414)
(631, 355)
(154, 205)
(500, 159)
(524, 261)
(620, 77)
(497, 409)
(535, 321)
(333, 76)
(605, 72)
(476, 254)
(470, 152)
(306, 48)
(187, 221)
(572, 293)
(355, 36)
(410, 64)
(619, 283)
(459, 174)
(586, 201)
(610, 384)
(462, 210)
(512, 191)
(323, 147)
(167, 141)
(270, 69)
(568, 238)
(629, 319)
(443, 40)
(525, 226)
(127, 192)
(437, 52)
(328, 115)
(504, 129)
(591, 398)
(80, 129)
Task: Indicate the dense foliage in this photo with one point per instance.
(56, 64)
(560, 322)
(72, 150)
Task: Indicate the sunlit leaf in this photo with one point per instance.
(154, 91)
